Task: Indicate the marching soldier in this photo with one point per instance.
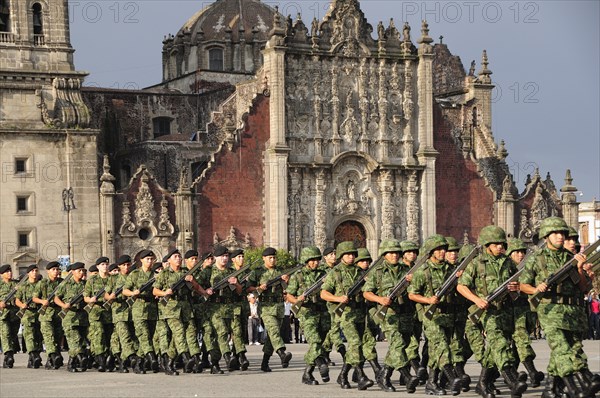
(50, 325)
(313, 315)
(241, 311)
(561, 312)
(29, 320)
(272, 307)
(209, 338)
(75, 323)
(481, 277)
(9, 322)
(191, 258)
(334, 336)
(335, 289)
(440, 328)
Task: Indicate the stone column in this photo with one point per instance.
(320, 210)
(386, 187)
(570, 207)
(184, 216)
(107, 217)
(505, 208)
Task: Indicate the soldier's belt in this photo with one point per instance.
(271, 300)
(221, 300)
(317, 307)
(403, 309)
(576, 301)
(501, 304)
(146, 299)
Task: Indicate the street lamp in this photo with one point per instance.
(68, 205)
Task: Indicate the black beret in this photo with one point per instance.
(52, 264)
(269, 251)
(328, 250)
(220, 251)
(31, 268)
(77, 265)
(146, 253)
(124, 259)
(190, 253)
(102, 260)
(165, 259)
(93, 268)
(5, 268)
(113, 267)
(157, 266)
(236, 253)
(171, 252)
(206, 255)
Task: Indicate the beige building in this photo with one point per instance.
(46, 146)
(589, 222)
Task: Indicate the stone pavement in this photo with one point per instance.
(23, 382)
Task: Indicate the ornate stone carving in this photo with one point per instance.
(127, 226)
(320, 209)
(144, 204)
(412, 208)
(539, 208)
(525, 231)
(164, 223)
(386, 188)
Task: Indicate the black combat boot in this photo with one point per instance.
(285, 357)
(354, 377)
(153, 361)
(411, 381)
(321, 363)
(36, 359)
(431, 386)
(551, 388)
(188, 362)
(199, 368)
(419, 371)
(383, 379)
(72, 365)
(484, 386)
(264, 366)
(120, 365)
(465, 379)
(307, 376)
(363, 381)
(589, 380)
(376, 367)
(101, 362)
(234, 364)
(215, 369)
(82, 360)
(535, 376)
(454, 382)
(571, 387)
(343, 377)
(227, 358)
(342, 350)
(58, 360)
(30, 360)
(517, 388)
(9, 359)
(243, 361)
(49, 362)
(110, 362)
(140, 365)
(172, 367)
(205, 362)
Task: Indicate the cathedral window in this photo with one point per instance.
(161, 126)
(4, 16)
(215, 59)
(37, 19)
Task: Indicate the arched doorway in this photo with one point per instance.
(352, 231)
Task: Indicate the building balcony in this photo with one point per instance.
(7, 37)
(38, 40)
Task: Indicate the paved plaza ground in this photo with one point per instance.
(23, 382)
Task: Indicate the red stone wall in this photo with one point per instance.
(464, 203)
(232, 193)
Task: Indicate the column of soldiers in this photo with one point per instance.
(152, 318)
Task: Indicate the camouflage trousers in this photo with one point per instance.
(52, 334)
(370, 339)
(315, 326)
(144, 332)
(412, 351)
(31, 332)
(474, 336)
(222, 327)
(460, 348)
(239, 328)
(183, 333)
(75, 335)
(99, 336)
(333, 338)
(209, 335)
(398, 330)
(9, 329)
(524, 325)
(122, 341)
(499, 327)
(439, 332)
(274, 341)
(354, 329)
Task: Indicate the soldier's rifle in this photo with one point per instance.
(450, 283)
(180, 282)
(568, 270)
(107, 305)
(398, 290)
(14, 290)
(353, 291)
(278, 280)
(89, 306)
(74, 301)
(50, 299)
(307, 293)
(142, 289)
(501, 291)
(221, 284)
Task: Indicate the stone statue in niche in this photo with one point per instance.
(351, 190)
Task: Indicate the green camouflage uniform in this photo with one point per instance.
(100, 320)
(50, 324)
(561, 312)
(313, 315)
(201, 316)
(483, 275)
(31, 325)
(75, 323)
(144, 311)
(178, 315)
(122, 342)
(334, 337)
(9, 322)
(239, 323)
(398, 324)
(439, 330)
(272, 308)
(352, 321)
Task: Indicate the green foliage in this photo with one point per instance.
(253, 256)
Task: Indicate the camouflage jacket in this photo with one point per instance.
(145, 306)
(120, 309)
(67, 292)
(301, 281)
(178, 304)
(25, 293)
(338, 282)
(44, 289)
(93, 286)
(383, 279)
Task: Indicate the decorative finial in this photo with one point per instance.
(484, 74)
(568, 187)
(425, 41)
(441, 39)
(106, 176)
(502, 153)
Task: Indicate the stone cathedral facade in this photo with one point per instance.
(271, 131)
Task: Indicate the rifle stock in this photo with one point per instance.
(89, 306)
(13, 291)
(307, 293)
(50, 298)
(339, 310)
(142, 289)
(278, 279)
(567, 270)
(108, 304)
(21, 312)
(449, 283)
(75, 300)
(179, 284)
